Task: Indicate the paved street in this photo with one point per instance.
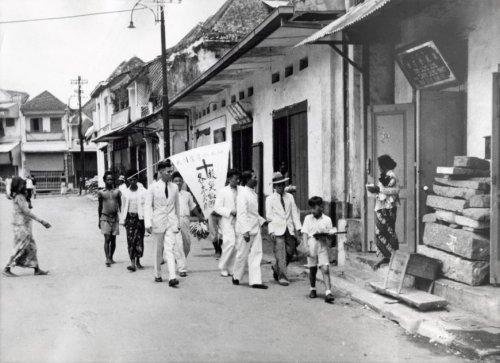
(84, 311)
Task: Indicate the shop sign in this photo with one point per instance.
(425, 67)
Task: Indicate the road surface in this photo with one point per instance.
(84, 311)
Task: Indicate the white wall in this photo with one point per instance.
(314, 84)
(484, 59)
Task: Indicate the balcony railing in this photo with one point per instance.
(43, 136)
(120, 118)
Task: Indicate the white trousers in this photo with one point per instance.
(228, 255)
(249, 252)
(165, 243)
(180, 257)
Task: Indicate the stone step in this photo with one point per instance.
(438, 202)
(458, 219)
(454, 192)
(471, 162)
(477, 214)
(457, 241)
(477, 183)
(456, 268)
(484, 301)
(479, 201)
(481, 300)
(454, 171)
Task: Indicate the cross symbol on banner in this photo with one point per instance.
(204, 166)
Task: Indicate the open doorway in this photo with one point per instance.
(290, 148)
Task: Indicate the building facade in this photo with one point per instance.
(10, 132)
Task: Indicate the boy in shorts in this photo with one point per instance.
(109, 208)
(315, 233)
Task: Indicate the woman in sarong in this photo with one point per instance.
(24, 254)
(132, 217)
(386, 204)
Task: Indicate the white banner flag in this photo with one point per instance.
(204, 170)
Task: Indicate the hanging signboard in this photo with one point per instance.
(204, 170)
(425, 67)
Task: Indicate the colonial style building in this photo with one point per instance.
(10, 131)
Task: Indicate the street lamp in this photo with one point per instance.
(160, 4)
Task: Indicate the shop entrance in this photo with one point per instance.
(391, 130)
(290, 148)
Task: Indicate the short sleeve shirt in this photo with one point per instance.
(314, 225)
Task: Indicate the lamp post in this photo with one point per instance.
(161, 18)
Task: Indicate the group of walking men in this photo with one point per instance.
(164, 210)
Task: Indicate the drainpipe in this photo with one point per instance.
(187, 130)
(345, 87)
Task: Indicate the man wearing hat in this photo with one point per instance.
(284, 222)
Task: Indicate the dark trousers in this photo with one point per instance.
(284, 250)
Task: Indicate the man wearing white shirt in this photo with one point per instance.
(284, 220)
(225, 206)
(249, 240)
(162, 219)
(132, 218)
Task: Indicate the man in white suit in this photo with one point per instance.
(284, 222)
(225, 206)
(161, 218)
(249, 238)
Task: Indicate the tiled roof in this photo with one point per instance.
(44, 102)
(126, 66)
(234, 19)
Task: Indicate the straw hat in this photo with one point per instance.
(278, 178)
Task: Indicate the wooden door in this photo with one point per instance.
(242, 147)
(442, 135)
(298, 158)
(495, 185)
(391, 130)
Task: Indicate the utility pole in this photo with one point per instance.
(165, 116)
(79, 82)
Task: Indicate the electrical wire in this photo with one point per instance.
(67, 16)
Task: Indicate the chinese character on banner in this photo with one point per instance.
(204, 170)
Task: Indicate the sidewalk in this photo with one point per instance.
(457, 329)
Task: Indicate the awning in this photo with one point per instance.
(7, 152)
(239, 113)
(127, 129)
(355, 14)
(9, 110)
(254, 53)
(44, 146)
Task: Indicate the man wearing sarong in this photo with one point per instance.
(132, 217)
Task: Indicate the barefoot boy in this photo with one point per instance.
(315, 230)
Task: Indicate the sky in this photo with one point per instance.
(47, 55)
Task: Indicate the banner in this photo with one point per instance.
(204, 170)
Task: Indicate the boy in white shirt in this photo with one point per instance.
(315, 231)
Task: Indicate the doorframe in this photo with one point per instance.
(370, 170)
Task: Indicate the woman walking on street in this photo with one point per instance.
(24, 245)
(386, 205)
(132, 217)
